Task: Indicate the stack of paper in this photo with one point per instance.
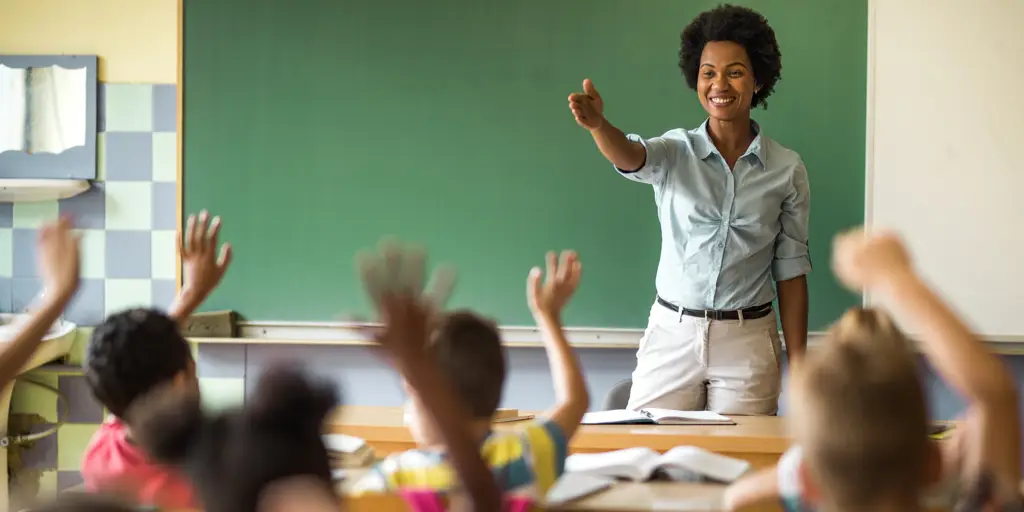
(348, 451)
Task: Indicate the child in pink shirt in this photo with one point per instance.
(113, 463)
(137, 351)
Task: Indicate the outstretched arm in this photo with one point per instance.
(58, 265)
(394, 281)
(588, 109)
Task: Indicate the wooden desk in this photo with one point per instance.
(761, 440)
(622, 497)
(636, 497)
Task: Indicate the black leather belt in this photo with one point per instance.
(751, 313)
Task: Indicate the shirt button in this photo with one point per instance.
(721, 245)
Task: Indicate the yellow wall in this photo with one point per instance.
(136, 40)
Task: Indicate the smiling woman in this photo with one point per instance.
(733, 206)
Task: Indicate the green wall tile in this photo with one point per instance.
(29, 399)
(72, 440)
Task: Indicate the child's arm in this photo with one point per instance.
(453, 423)
(58, 265)
(547, 299)
(880, 263)
(393, 280)
(202, 267)
(759, 487)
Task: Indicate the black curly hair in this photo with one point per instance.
(233, 455)
(131, 353)
(740, 25)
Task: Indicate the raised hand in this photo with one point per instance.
(202, 266)
(394, 277)
(58, 258)
(550, 295)
(862, 260)
(587, 107)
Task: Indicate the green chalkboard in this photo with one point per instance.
(315, 127)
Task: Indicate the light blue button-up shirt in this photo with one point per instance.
(725, 235)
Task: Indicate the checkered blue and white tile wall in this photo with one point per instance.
(127, 222)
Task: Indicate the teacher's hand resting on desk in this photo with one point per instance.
(733, 207)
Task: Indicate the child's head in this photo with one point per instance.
(859, 412)
(134, 352)
(468, 350)
(233, 456)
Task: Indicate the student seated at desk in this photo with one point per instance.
(133, 353)
(269, 454)
(860, 419)
(468, 352)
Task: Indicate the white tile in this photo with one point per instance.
(121, 294)
(6, 253)
(221, 393)
(129, 107)
(165, 156)
(164, 254)
(94, 252)
(129, 205)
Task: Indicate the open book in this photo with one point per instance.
(682, 463)
(654, 416)
(573, 486)
(347, 451)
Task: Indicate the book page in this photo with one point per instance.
(631, 463)
(712, 465)
(613, 417)
(573, 486)
(709, 416)
(342, 443)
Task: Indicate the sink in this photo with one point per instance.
(56, 344)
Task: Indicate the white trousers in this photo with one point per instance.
(689, 363)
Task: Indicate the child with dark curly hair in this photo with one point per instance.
(136, 351)
(733, 206)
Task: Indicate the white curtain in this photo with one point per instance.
(47, 109)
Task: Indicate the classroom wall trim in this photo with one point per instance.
(349, 333)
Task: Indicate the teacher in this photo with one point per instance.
(733, 206)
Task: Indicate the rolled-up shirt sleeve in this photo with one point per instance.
(792, 255)
(656, 163)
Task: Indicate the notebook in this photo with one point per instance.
(348, 451)
(652, 416)
(682, 463)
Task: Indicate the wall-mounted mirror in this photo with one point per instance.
(47, 116)
(43, 109)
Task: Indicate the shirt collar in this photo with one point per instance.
(705, 147)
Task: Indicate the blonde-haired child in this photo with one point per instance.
(859, 418)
